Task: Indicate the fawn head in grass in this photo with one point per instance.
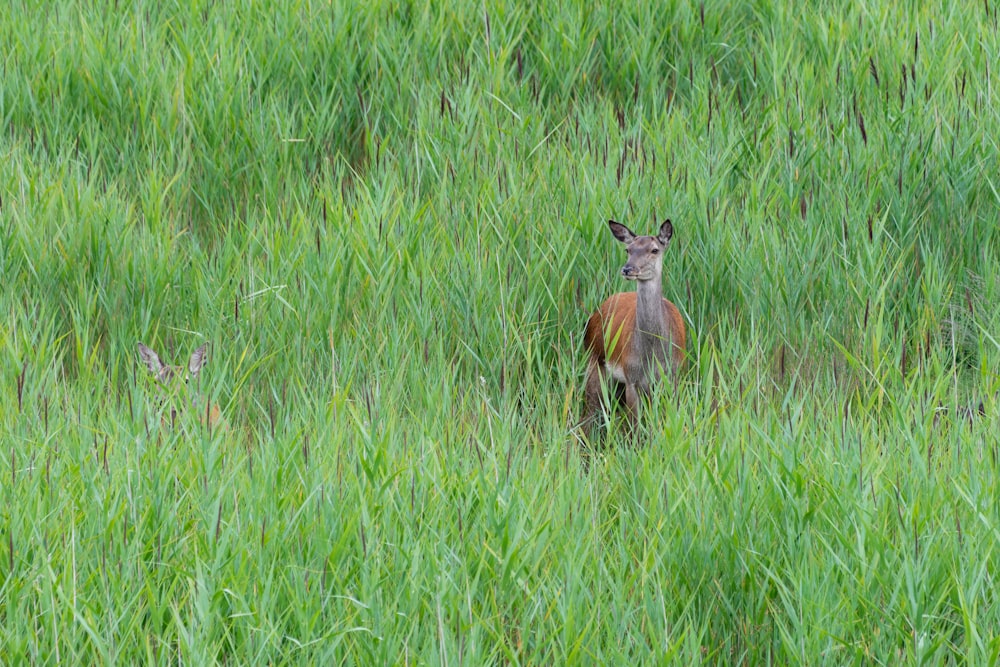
(178, 390)
(634, 338)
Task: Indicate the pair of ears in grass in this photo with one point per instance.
(166, 373)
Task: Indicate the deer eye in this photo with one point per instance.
(655, 250)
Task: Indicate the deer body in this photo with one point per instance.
(634, 338)
(173, 382)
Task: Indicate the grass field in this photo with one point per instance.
(388, 219)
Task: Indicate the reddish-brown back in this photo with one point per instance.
(608, 338)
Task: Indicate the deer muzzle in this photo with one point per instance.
(629, 272)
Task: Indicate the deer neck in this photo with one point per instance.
(651, 333)
(649, 317)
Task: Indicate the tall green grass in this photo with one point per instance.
(389, 221)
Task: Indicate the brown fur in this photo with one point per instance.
(617, 314)
(630, 350)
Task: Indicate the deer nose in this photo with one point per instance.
(629, 271)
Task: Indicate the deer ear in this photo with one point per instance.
(621, 232)
(150, 358)
(198, 359)
(666, 231)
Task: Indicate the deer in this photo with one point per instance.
(174, 383)
(634, 338)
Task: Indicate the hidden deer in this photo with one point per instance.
(178, 392)
(635, 338)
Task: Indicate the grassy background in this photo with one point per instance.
(389, 221)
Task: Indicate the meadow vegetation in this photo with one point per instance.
(388, 219)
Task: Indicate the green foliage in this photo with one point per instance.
(388, 219)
